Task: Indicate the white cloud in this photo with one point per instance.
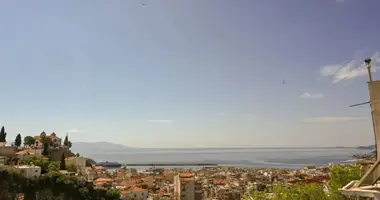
(161, 121)
(74, 130)
(308, 95)
(223, 114)
(349, 70)
(332, 119)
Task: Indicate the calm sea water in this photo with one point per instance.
(252, 157)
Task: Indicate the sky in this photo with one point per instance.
(197, 73)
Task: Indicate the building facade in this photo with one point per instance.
(184, 186)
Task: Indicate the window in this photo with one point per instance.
(22, 171)
(36, 171)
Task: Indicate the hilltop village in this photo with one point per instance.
(43, 154)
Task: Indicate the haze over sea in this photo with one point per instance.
(239, 157)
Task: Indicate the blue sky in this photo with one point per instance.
(189, 73)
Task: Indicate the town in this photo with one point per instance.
(39, 155)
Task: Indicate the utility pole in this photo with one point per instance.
(368, 62)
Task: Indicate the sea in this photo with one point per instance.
(289, 158)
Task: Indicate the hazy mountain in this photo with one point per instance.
(95, 147)
(372, 146)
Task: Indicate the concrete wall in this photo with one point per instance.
(7, 151)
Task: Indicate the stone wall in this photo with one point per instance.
(7, 151)
(56, 154)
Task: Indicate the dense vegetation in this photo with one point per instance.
(340, 176)
(11, 183)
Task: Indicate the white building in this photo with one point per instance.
(29, 171)
(184, 186)
(134, 192)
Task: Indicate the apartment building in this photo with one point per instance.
(184, 186)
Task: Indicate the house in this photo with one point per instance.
(56, 141)
(133, 192)
(89, 174)
(29, 171)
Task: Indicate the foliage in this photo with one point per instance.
(29, 140)
(62, 165)
(339, 176)
(77, 154)
(46, 140)
(69, 144)
(3, 135)
(71, 168)
(18, 140)
(342, 175)
(66, 141)
(312, 191)
(59, 184)
(46, 165)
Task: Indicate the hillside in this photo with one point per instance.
(367, 147)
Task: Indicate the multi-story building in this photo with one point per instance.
(184, 186)
(198, 190)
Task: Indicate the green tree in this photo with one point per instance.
(45, 151)
(46, 165)
(18, 140)
(113, 194)
(71, 168)
(78, 155)
(341, 175)
(62, 165)
(66, 141)
(3, 135)
(46, 140)
(29, 140)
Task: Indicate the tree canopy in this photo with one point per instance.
(29, 140)
(11, 183)
(62, 165)
(3, 135)
(45, 150)
(18, 140)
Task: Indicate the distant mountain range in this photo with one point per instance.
(97, 147)
(367, 147)
(107, 147)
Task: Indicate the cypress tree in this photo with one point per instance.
(45, 152)
(18, 140)
(63, 163)
(3, 135)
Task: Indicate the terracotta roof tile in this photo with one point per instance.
(186, 175)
